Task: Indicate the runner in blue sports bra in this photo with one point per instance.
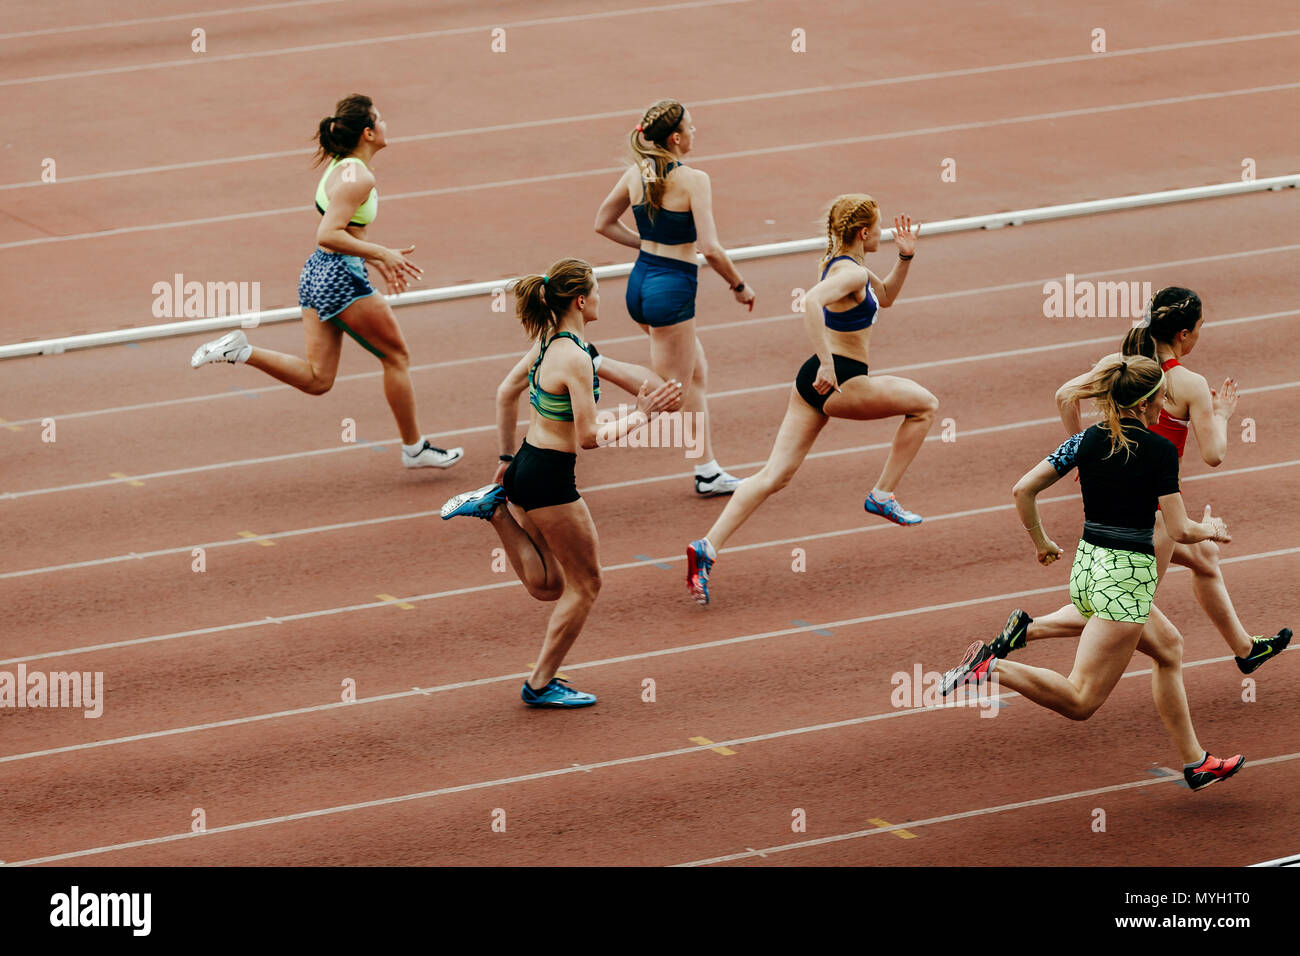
(334, 288)
(548, 534)
(673, 208)
(839, 366)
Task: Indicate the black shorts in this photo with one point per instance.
(541, 477)
(845, 369)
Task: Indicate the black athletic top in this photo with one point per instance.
(1120, 490)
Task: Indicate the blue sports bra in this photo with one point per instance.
(860, 317)
(670, 227)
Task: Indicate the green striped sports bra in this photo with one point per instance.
(558, 408)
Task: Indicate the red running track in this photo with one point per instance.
(223, 688)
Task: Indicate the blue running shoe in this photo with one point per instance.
(556, 694)
(890, 509)
(480, 503)
(698, 566)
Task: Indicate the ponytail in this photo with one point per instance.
(541, 301)
(1118, 385)
(649, 142)
(338, 135)
(1171, 310)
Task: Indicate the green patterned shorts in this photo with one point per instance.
(1113, 584)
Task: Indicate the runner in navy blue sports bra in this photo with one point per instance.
(660, 292)
(840, 388)
(669, 227)
(861, 316)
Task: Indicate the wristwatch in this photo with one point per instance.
(739, 286)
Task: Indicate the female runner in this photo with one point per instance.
(549, 534)
(840, 337)
(1124, 470)
(673, 207)
(1172, 330)
(334, 289)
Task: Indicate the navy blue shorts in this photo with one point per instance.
(332, 281)
(661, 291)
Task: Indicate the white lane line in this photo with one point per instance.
(717, 101)
(335, 449)
(764, 320)
(354, 44)
(542, 775)
(966, 815)
(628, 658)
(605, 569)
(139, 21)
(703, 160)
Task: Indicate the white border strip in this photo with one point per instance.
(991, 221)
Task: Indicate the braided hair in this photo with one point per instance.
(848, 214)
(1171, 311)
(649, 142)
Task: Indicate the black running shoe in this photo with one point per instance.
(1265, 649)
(1014, 634)
(1212, 770)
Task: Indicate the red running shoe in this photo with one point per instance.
(1212, 770)
(974, 667)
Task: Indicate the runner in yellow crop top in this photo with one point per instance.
(334, 288)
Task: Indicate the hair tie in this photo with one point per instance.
(546, 280)
(1123, 365)
(640, 128)
(1154, 389)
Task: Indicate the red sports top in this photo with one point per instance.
(1172, 428)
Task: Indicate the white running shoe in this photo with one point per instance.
(431, 456)
(224, 349)
(719, 484)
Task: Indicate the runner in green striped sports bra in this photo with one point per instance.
(558, 408)
(546, 529)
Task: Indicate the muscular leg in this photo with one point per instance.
(372, 318)
(570, 536)
(1104, 651)
(799, 429)
(1065, 622)
(313, 374)
(883, 396)
(1164, 645)
(676, 352)
(529, 554)
(1202, 559)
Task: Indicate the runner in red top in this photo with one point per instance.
(1171, 329)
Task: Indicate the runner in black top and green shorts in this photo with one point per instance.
(550, 537)
(1125, 473)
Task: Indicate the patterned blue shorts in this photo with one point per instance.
(332, 281)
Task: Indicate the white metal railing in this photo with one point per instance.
(992, 221)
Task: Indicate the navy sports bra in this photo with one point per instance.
(670, 227)
(860, 317)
